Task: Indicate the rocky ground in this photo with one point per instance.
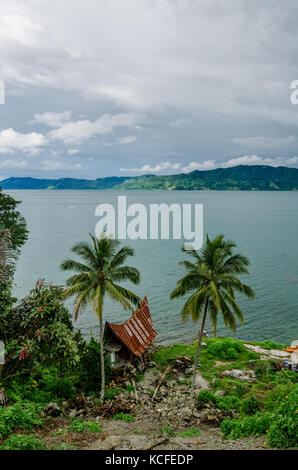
(157, 420)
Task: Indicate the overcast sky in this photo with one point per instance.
(124, 87)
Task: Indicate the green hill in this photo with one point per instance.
(238, 178)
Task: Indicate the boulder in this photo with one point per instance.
(52, 409)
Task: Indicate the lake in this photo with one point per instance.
(264, 225)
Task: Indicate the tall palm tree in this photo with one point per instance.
(96, 276)
(212, 281)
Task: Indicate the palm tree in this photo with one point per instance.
(97, 276)
(212, 280)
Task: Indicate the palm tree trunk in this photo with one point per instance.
(102, 361)
(198, 352)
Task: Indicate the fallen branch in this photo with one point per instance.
(153, 444)
(162, 378)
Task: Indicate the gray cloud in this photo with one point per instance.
(205, 79)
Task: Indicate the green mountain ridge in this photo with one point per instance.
(238, 178)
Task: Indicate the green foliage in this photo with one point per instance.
(269, 344)
(112, 392)
(206, 396)
(19, 416)
(79, 425)
(166, 430)
(139, 378)
(226, 349)
(193, 432)
(280, 423)
(11, 219)
(228, 402)
(41, 332)
(248, 426)
(124, 417)
(164, 356)
(23, 442)
(130, 388)
(89, 369)
(249, 406)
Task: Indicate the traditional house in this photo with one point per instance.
(126, 342)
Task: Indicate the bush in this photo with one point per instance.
(89, 376)
(124, 417)
(226, 349)
(249, 406)
(79, 425)
(205, 396)
(252, 425)
(19, 416)
(23, 442)
(228, 402)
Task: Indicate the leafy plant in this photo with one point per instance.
(167, 430)
(19, 416)
(23, 442)
(249, 406)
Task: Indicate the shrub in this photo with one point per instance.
(19, 416)
(226, 349)
(89, 375)
(79, 425)
(130, 388)
(252, 425)
(228, 402)
(205, 396)
(23, 442)
(124, 417)
(249, 406)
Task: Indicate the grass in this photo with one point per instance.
(124, 417)
(193, 432)
(79, 426)
(23, 442)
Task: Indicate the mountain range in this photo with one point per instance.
(238, 178)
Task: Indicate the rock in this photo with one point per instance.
(240, 374)
(200, 382)
(112, 442)
(182, 363)
(213, 417)
(137, 442)
(52, 409)
(3, 398)
(219, 393)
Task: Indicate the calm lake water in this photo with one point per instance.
(264, 224)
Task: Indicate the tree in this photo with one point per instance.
(212, 281)
(96, 277)
(38, 331)
(12, 220)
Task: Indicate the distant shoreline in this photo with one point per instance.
(237, 178)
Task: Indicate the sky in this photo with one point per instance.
(96, 88)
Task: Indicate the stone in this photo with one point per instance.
(52, 409)
(219, 393)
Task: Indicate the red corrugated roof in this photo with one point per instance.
(137, 333)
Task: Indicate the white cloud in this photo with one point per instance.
(78, 131)
(206, 165)
(154, 169)
(12, 141)
(129, 139)
(72, 151)
(52, 119)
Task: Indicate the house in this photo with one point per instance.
(127, 342)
